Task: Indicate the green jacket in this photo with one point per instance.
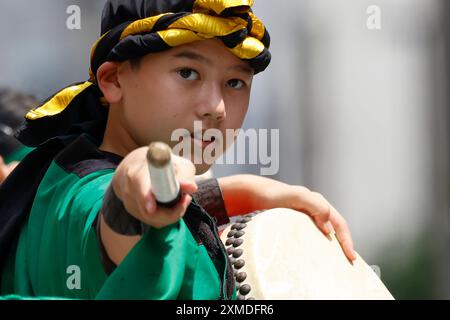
(58, 251)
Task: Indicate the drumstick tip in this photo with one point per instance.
(158, 154)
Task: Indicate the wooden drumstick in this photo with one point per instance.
(165, 186)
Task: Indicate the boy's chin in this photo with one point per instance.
(201, 168)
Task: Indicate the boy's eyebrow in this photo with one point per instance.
(244, 68)
(193, 56)
(198, 57)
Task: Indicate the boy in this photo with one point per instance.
(86, 224)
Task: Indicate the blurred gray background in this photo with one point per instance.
(363, 114)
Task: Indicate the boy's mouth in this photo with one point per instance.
(199, 138)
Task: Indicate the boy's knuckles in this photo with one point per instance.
(322, 212)
(302, 191)
(126, 189)
(320, 202)
(130, 174)
(181, 164)
(319, 196)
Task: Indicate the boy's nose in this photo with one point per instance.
(212, 107)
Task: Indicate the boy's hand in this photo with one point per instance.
(247, 193)
(6, 169)
(132, 185)
(326, 217)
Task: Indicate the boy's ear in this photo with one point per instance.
(108, 82)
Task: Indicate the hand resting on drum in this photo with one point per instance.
(247, 193)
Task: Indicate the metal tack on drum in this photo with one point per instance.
(240, 226)
(237, 242)
(241, 276)
(230, 242)
(239, 234)
(245, 289)
(231, 233)
(238, 264)
(237, 253)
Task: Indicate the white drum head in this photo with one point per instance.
(281, 254)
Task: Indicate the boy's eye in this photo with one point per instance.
(189, 74)
(236, 84)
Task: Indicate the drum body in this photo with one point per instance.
(281, 254)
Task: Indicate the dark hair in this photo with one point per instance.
(14, 105)
(135, 63)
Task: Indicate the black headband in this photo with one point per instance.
(134, 28)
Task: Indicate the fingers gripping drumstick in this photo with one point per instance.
(165, 186)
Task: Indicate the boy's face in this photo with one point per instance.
(200, 81)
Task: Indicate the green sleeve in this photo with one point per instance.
(165, 264)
